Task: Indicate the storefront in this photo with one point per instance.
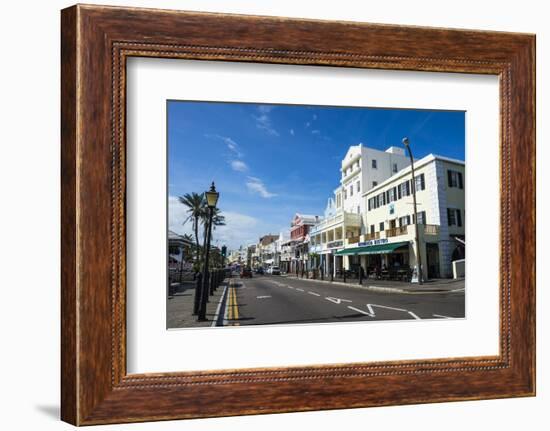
(377, 257)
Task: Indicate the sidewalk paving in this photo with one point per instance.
(442, 285)
(179, 308)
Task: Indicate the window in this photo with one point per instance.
(421, 217)
(358, 210)
(381, 226)
(345, 194)
(358, 186)
(454, 179)
(372, 229)
(374, 183)
(405, 220)
(338, 200)
(351, 190)
(454, 217)
(394, 168)
(420, 183)
(391, 195)
(374, 165)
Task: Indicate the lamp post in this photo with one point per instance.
(417, 238)
(211, 200)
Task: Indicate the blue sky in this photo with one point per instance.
(271, 161)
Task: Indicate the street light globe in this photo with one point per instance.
(212, 196)
(405, 141)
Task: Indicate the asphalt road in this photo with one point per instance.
(264, 300)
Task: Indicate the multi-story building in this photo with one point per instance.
(361, 169)
(267, 248)
(282, 252)
(389, 235)
(299, 239)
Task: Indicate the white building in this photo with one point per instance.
(361, 169)
(388, 237)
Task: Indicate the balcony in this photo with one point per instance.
(349, 219)
(431, 229)
(353, 240)
(371, 236)
(396, 231)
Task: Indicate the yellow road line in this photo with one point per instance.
(233, 308)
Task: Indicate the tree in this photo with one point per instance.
(217, 220)
(195, 204)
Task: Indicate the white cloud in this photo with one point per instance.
(292, 132)
(239, 166)
(315, 132)
(314, 117)
(308, 124)
(263, 122)
(230, 143)
(257, 186)
(239, 228)
(264, 109)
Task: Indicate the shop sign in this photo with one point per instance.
(335, 244)
(373, 242)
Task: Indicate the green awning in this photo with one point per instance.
(373, 249)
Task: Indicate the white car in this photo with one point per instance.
(274, 270)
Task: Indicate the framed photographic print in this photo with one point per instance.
(324, 214)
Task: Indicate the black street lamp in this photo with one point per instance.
(417, 238)
(211, 200)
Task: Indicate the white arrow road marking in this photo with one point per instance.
(336, 300)
(263, 296)
(314, 293)
(372, 313)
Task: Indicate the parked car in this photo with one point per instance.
(259, 270)
(246, 273)
(274, 270)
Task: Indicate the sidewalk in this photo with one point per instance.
(443, 285)
(179, 308)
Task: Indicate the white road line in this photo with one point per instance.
(372, 313)
(263, 296)
(443, 317)
(290, 287)
(313, 293)
(215, 319)
(299, 290)
(336, 300)
(369, 306)
(357, 310)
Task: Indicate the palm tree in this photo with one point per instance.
(195, 204)
(217, 220)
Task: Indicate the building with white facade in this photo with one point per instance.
(361, 170)
(388, 236)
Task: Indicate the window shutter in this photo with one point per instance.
(449, 178)
(458, 218)
(449, 216)
(422, 183)
(460, 184)
(399, 192)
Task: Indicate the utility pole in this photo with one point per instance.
(417, 237)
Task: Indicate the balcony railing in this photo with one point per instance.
(396, 231)
(353, 239)
(371, 236)
(431, 229)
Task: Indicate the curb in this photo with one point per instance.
(375, 288)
